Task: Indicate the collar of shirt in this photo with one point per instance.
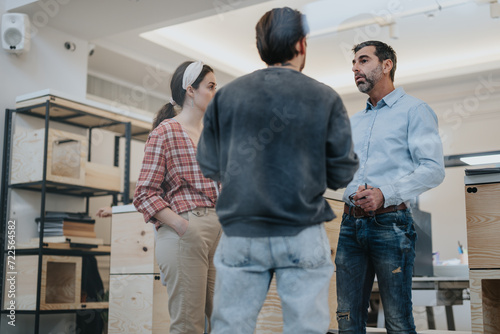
(387, 100)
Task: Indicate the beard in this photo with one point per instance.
(370, 80)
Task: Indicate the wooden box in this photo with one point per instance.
(66, 157)
(483, 225)
(61, 282)
(485, 301)
(60, 285)
(138, 304)
(132, 245)
(102, 176)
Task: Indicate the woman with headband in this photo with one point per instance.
(173, 194)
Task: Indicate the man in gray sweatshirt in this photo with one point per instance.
(275, 139)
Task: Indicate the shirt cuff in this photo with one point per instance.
(390, 197)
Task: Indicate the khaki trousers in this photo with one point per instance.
(188, 271)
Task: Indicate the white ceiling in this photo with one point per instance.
(433, 44)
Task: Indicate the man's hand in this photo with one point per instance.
(369, 198)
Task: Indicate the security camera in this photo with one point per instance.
(91, 49)
(70, 46)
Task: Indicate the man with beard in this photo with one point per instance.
(400, 152)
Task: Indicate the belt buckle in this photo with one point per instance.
(363, 214)
(356, 209)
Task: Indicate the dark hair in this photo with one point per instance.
(382, 51)
(178, 93)
(277, 33)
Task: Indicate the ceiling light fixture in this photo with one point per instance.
(482, 159)
(389, 20)
(394, 31)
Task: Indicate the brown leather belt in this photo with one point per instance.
(358, 212)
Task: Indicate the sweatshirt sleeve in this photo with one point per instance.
(341, 161)
(208, 147)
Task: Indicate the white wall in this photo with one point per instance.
(47, 65)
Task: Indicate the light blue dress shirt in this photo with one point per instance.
(399, 148)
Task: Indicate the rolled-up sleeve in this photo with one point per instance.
(148, 197)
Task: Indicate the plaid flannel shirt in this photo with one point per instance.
(170, 176)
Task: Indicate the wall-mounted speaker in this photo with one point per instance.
(15, 32)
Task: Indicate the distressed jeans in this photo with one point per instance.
(245, 266)
(383, 245)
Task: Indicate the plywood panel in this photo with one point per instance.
(66, 156)
(270, 319)
(485, 301)
(61, 282)
(132, 244)
(102, 113)
(137, 125)
(483, 225)
(24, 282)
(102, 176)
(161, 317)
(138, 304)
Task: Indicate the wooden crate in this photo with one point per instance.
(60, 286)
(132, 245)
(138, 304)
(61, 282)
(66, 157)
(102, 176)
(485, 301)
(483, 225)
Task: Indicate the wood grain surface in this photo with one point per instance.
(483, 226)
(485, 301)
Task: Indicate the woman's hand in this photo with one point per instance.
(104, 212)
(173, 220)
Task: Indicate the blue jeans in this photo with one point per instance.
(245, 266)
(383, 245)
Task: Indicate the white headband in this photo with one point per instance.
(191, 73)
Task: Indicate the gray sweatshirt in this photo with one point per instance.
(275, 139)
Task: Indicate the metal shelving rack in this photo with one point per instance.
(57, 110)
